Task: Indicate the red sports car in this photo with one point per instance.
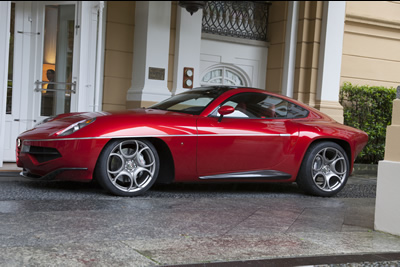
(206, 134)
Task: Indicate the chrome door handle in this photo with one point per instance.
(39, 87)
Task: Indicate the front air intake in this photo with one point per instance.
(43, 154)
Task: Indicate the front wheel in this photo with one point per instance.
(324, 170)
(128, 167)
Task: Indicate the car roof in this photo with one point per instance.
(221, 88)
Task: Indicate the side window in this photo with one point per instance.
(295, 111)
(262, 106)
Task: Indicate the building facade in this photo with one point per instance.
(65, 56)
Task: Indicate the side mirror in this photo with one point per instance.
(225, 110)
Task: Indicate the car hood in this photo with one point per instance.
(106, 122)
(77, 116)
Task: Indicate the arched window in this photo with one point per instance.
(223, 75)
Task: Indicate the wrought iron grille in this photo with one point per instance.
(242, 19)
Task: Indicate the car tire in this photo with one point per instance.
(128, 167)
(324, 170)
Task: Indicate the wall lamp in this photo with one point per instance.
(192, 6)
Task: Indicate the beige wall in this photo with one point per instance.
(118, 53)
(371, 46)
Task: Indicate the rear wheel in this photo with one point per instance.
(324, 170)
(128, 167)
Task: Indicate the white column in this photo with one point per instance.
(290, 49)
(330, 59)
(150, 50)
(5, 10)
(187, 47)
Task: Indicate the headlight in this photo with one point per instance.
(44, 121)
(75, 127)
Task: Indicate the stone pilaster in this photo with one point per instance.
(150, 53)
(187, 48)
(330, 59)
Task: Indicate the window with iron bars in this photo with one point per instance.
(241, 19)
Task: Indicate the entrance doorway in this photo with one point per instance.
(42, 66)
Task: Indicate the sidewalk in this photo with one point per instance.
(362, 174)
(10, 167)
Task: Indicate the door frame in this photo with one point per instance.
(39, 9)
(19, 119)
(5, 14)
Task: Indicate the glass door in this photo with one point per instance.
(55, 84)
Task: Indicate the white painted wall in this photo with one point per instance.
(248, 56)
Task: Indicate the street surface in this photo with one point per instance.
(13, 187)
(68, 223)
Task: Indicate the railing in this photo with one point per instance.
(242, 19)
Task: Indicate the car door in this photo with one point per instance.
(257, 136)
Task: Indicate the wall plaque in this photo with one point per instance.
(156, 74)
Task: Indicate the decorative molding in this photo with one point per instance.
(372, 21)
(328, 104)
(236, 40)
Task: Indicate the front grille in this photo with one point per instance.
(43, 154)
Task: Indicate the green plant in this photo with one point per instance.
(368, 108)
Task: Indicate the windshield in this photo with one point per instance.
(191, 102)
